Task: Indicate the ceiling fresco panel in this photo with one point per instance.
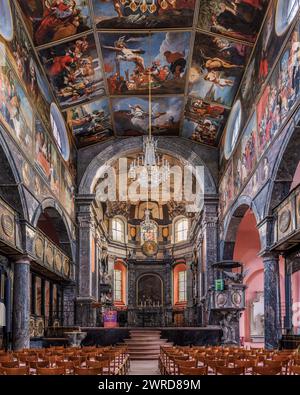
(204, 121)
(217, 67)
(130, 58)
(53, 20)
(74, 70)
(236, 19)
(91, 122)
(131, 115)
(204, 130)
(99, 56)
(143, 14)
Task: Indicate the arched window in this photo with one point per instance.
(6, 21)
(118, 230)
(117, 285)
(181, 230)
(182, 286)
(233, 129)
(59, 131)
(120, 275)
(286, 11)
(179, 285)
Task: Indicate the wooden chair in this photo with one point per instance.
(39, 364)
(247, 364)
(184, 364)
(266, 371)
(225, 370)
(273, 364)
(50, 371)
(294, 369)
(201, 371)
(87, 371)
(67, 365)
(15, 371)
(6, 358)
(10, 364)
(214, 364)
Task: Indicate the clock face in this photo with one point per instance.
(150, 248)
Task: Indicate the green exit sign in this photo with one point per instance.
(219, 285)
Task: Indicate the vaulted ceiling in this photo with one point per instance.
(99, 56)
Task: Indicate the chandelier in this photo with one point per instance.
(151, 168)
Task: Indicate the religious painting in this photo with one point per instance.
(90, 122)
(20, 53)
(74, 70)
(67, 191)
(46, 157)
(131, 116)
(53, 20)
(226, 190)
(15, 109)
(236, 19)
(245, 157)
(132, 60)
(217, 67)
(204, 130)
(289, 79)
(196, 108)
(268, 111)
(143, 14)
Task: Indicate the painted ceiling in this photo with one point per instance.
(99, 56)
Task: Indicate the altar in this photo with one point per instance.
(149, 293)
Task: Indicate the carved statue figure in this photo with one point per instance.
(117, 208)
(235, 277)
(228, 328)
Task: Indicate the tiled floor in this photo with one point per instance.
(144, 368)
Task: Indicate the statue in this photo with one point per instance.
(117, 208)
(228, 327)
(235, 277)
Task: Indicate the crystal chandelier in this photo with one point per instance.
(151, 168)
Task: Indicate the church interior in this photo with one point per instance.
(149, 187)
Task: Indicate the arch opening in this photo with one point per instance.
(51, 223)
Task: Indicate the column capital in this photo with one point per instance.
(23, 259)
(269, 255)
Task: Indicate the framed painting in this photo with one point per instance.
(53, 20)
(91, 122)
(130, 58)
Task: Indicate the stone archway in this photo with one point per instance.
(105, 154)
(10, 180)
(231, 225)
(49, 214)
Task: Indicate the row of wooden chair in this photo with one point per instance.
(86, 360)
(218, 360)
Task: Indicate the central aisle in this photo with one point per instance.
(144, 368)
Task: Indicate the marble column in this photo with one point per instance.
(85, 313)
(21, 304)
(210, 240)
(271, 300)
(288, 295)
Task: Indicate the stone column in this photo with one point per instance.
(85, 313)
(271, 300)
(288, 295)
(21, 304)
(210, 240)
